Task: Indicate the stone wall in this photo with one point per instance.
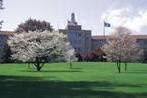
(3, 48)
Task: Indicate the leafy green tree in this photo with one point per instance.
(34, 25)
(1, 8)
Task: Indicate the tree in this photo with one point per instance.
(3, 45)
(122, 47)
(69, 56)
(34, 25)
(1, 8)
(39, 48)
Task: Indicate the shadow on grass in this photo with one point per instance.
(137, 71)
(58, 71)
(17, 78)
(32, 87)
(76, 68)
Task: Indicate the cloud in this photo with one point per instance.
(136, 20)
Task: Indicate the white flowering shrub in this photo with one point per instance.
(40, 47)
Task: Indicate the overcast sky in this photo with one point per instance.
(89, 13)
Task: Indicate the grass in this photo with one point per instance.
(84, 80)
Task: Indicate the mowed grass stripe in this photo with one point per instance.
(84, 79)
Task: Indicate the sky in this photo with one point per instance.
(89, 13)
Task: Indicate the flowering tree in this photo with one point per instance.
(122, 47)
(39, 48)
(69, 56)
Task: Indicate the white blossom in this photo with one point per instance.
(27, 46)
(122, 46)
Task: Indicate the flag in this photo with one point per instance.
(106, 24)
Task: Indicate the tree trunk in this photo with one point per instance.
(70, 63)
(38, 64)
(38, 67)
(126, 66)
(119, 66)
(29, 66)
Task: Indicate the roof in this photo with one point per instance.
(101, 37)
(140, 36)
(7, 33)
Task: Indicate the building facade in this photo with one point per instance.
(4, 49)
(81, 40)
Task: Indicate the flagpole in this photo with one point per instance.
(105, 25)
(104, 28)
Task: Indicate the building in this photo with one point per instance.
(4, 50)
(81, 40)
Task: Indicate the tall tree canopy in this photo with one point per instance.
(34, 25)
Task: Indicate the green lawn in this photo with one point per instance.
(84, 80)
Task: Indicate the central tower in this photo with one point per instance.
(72, 21)
(72, 24)
(79, 39)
